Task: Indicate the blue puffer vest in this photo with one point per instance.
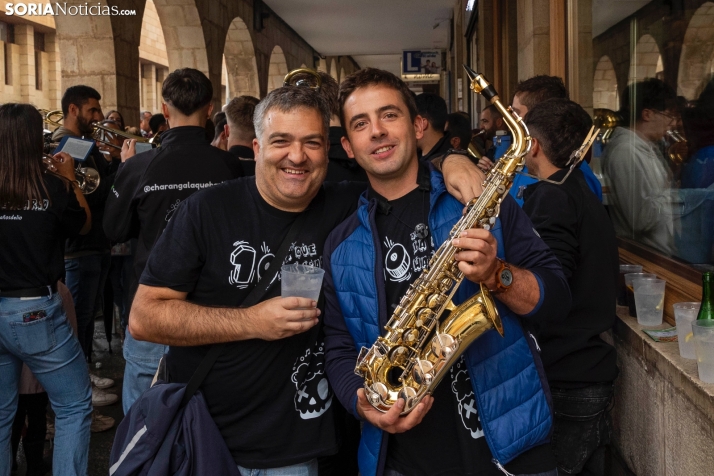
(510, 396)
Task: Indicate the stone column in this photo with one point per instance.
(25, 39)
(533, 38)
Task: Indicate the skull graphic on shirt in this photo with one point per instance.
(313, 394)
(461, 386)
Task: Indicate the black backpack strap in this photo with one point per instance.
(256, 294)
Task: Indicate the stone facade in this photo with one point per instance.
(125, 57)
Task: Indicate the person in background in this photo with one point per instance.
(144, 126)
(42, 206)
(636, 169)
(491, 121)
(116, 117)
(240, 132)
(433, 112)
(219, 137)
(458, 131)
(148, 190)
(529, 93)
(87, 257)
(580, 366)
(158, 124)
(698, 121)
(340, 166)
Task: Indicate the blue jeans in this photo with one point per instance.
(83, 278)
(582, 428)
(51, 351)
(142, 360)
(301, 469)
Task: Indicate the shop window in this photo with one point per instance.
(658, 162)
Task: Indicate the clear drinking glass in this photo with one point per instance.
(630, 291)
(301, 280)
(684, 314)
(621, 288)
(703, 330)
(649, 300)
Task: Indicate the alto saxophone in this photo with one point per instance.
(419, 346)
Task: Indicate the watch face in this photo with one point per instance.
(506, 277)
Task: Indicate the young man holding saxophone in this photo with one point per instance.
(493, 404)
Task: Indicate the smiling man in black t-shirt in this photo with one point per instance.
(267, 392)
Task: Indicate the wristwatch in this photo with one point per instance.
(504, 277)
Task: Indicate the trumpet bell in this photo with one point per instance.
(88, 179)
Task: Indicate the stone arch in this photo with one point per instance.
(241, 66)
(605, 91)
(278, 68)
(646, 62)
(342, 74)
(87, 54)
(333, 69)
(183, 33)
(153, 59)
(322, 65)
(695, 63)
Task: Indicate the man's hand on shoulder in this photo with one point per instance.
(392, 422)
(279, 318)
(462, 178)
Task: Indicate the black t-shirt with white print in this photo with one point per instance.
(450, 439)
(270, 399)
(32, 240)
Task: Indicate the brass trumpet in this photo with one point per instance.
(87, 178)
(105, 135)
(303, 77)
(678, 149)
(606, 120)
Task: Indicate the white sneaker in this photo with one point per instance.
(101, 398)
(100, 382)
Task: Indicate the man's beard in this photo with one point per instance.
(85, 126)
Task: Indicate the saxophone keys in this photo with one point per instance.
(378, 392)
(411, 336)
(398, 355)
(408, 394)
(424, 315)
(434, 300)
(443, 345)
(422, 372)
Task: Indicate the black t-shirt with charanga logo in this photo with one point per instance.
(32, 239)
(270, 399)
(450, 439)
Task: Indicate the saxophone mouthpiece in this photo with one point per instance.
(480, 85)
(472, 74)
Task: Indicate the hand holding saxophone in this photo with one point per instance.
(391, 421)
(477, 258)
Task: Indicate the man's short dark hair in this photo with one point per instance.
(459, 126)
(651, 93)
(287, 99)
(239, 115)
(330, 89)
(219, 119)
(374, 77)
(493, 110)
(540, 88)
(156, 121)
(433, 108)
(560, 126)
(188, 90)
(79, 96)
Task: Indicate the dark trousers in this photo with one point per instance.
(582, 429)
(85, 277)
(34, 407)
